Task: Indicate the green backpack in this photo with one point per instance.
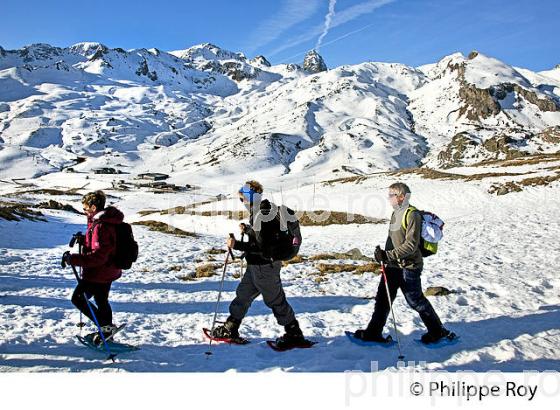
(432, 230)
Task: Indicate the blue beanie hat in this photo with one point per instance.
(248, 193)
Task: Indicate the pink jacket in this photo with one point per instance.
(100, 247)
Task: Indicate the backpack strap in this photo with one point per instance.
(406, 216)
(90, 230)
(94, 225)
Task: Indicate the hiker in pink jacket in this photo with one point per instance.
(97, 261)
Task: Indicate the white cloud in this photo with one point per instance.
(291, 13)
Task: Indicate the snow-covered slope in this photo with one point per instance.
(205, 112)
(553, 74)
(503, 275)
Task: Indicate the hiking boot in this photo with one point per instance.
(229, 330)
(108, 332)
(292, 337)
(371, 337)
(429, 338)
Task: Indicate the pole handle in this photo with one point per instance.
(232, 236)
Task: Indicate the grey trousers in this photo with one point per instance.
(262, 280)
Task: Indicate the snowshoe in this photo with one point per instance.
(289, 342)
(109, 333)
(114, 347)
(364, 336)
(214, 336)
(359, 338)
(436, 339)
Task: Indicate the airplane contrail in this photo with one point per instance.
(327, 26)
(288, 59)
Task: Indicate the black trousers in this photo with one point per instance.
(100, 293)
(408, 280)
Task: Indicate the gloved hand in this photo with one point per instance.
(230, 244)
(380, 255)
(65, 259)
(230, 241)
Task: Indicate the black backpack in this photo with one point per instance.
(127, 247)
(287, 241)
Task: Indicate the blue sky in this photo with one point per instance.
(520, 32)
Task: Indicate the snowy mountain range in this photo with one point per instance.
(210, 112)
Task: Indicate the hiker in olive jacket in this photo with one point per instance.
(403, 260)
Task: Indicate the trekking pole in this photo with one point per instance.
(241, 258)
(81, 324)
(229, 253)
(401, 356)
(78, 238)
(111, 355)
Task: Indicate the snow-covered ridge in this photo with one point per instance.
(474, 102)
(207, 111)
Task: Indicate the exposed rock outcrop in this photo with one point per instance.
(550, 135)
(39, 52)
(314, 63)
(143, 69)
(500, 92)
(99, 53)
(478, 102)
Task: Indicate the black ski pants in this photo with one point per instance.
(408, 280)
(100, 293)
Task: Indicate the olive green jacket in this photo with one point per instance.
(403, 246)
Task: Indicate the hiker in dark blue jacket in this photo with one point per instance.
(262, 276)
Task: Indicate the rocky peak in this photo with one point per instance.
(100, 51)
(293, 67)
(260, 60)
(39, 51)
(86, 49)
(207, 51)
(313, 62)
(472, 55)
